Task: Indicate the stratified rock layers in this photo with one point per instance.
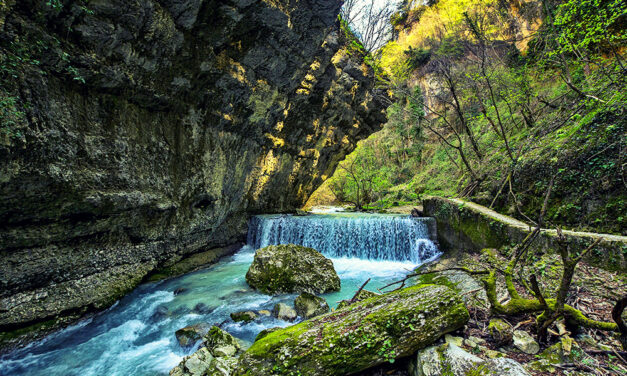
(150, 130)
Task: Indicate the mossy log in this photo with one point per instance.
(360, 336)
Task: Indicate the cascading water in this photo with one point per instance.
(363, 236)
(136, 335)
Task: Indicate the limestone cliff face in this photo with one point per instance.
(135, 132)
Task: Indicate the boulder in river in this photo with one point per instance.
(360, 336)
(284, 312)
(308, 305)
(245, 316)
(290, 268)
(189, 335)
(216, 358)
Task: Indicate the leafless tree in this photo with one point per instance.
(370, 21)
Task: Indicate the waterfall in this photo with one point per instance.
(364, 236)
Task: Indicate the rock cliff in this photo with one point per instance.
(136, 132)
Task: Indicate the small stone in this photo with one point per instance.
(492, 354)
(470, 343)
(455, 340)
(500, 331)
(180, 290)
(525, 343)
(284, 312)
(264, 312)
(246, 316)
(308, 305)
(477, 340)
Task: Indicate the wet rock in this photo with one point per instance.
(180, 290)
(301, 213)
(189, 335)
(500, 331)
(245, 316)
(202, 309)
(308, 305)
(284, 312)
(160, 314)
(415, 212)
(363, 294)
(358, 337)
(525, 342)
(216, 358)
(264, 312)
(292, 268)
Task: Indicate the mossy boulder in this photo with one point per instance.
(363, 335)
(245, 316)
(189, 335)
(308, 305)
(290, 268)
(500, 331)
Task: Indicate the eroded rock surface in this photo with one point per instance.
(360, 336)
(147, 130)
(308, 305)
(289, 268)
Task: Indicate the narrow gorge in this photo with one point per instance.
(313, 187)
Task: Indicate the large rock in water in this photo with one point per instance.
(291, 268)
(360, 336)
(146, 130)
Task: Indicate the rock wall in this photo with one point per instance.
(466, 226)
(136, 132)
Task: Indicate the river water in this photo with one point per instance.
(136, 335)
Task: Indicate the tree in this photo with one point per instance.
(370, 21)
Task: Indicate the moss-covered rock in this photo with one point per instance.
(217, 357)
(360, 336)
(245, 316)
(500, 331)
(292, 268)
(308, 305)
(189, 335)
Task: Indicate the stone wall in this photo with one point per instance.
(143, 131)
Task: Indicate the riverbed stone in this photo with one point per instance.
(525, 342)
(284, 312)
(360, 336)
(189, 335)
(245, 316)
(308, 305)
(290, 268)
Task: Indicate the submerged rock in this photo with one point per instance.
(292, 268)
(245, 316)
(360, 336)
(284, 312)
(202, 308)
(216, 358)
(308, 305)
(189, 335)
